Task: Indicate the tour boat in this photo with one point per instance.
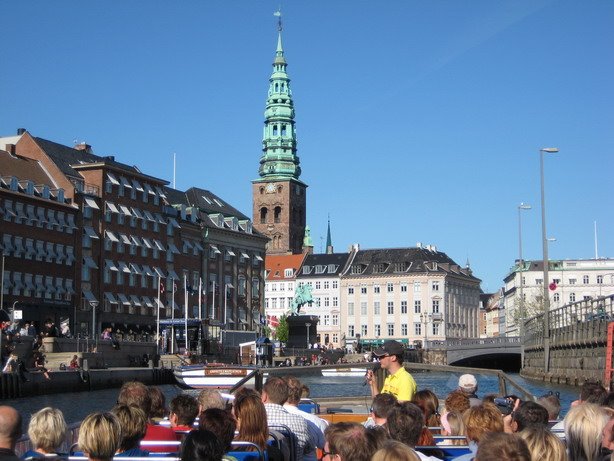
(214, 376)
(334, 372)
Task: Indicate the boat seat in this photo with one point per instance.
(309, 406)
(449, 451)
(254, 455)
(288, 439)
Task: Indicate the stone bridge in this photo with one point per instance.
(477, 349)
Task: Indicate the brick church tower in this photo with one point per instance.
(279, 196)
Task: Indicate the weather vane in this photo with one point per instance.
(277, 14)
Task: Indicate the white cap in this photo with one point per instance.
(468, 383)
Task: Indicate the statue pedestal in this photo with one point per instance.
(302, 330)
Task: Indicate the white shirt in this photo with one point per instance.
(317, 426)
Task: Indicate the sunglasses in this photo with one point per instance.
(325, 454)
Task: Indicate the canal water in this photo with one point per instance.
(78, 405)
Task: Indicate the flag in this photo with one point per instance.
(272, 320)
(161, 286)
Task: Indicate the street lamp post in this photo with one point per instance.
(226, 287)
(425, 318)
(308, 325)
(94, 304)
(521, 207)
(546, 295)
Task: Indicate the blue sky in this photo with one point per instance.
(417, 121)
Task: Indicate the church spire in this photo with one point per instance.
(279, 159)
(329, 242)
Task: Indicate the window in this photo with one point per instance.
(376, 308)
(572, 297)
(318, 285)
(335, 319)
(350, 290)
(403, 287)
(326, 301)
(326, 285)
(435, 286)
(403, 329)
(379, 268)
(435, 306)
(351, 330)
(389, 287)
(417, 329)
(572, 281)
(350, 308)
(277, 214)
(403, 307)
(363, 308)
(435, 329)
(288, 272)
(363, 290)
(363, 330)
(539, 281)
(326, 319)
(335, 301)
(585, 279)
(390, 307)
(335, 284)
(556, 298)
(417, 306)
(416, 287)
(377, 329)
(391, 329)
(600, 279)
(376, 289)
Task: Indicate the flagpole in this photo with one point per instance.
(173, 318)
(185, 306)
(200, 298)
(158, 318)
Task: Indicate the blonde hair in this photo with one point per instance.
(482, 419)
(543, 444)
(47, 429)
(457, 427)
(583, 431)
(133, 423)
(395, 451)
(99, 436)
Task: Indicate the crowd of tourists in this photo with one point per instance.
(404, 424)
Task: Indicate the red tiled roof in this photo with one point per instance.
(275, 265)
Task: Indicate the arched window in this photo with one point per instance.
(263, 215)
(262, 190)
(277, 215)
(275, 130)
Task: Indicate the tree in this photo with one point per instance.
(282, 330)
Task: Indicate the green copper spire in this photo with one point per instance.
(329, 241)
(279, 160)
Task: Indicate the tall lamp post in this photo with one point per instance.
(94, 304)
(226, 287)
(521, 207)
(308, 325)
(425, 318)
(546, 295)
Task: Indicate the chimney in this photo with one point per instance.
(20, 131)
(10, 148)
(84, 147)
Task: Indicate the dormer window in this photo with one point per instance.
(307, 269)
(357, 269)
(289, 273)
(380, 268)
(400, 267)
(332, 268)
(320, 269)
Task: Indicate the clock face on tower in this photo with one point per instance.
(270, 188)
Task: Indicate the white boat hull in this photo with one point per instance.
(332, 372)
(201, 377)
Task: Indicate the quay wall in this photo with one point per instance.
(578, 336)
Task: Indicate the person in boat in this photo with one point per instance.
(399, 382)
(274, 395)
(452, 425)
(525, 414)
(201, 445)
(552, 403)
(10, 431)
(499, 446)
(158, 404)
(315, 424)
(584, 426)
(589, 393)
(221, 423)
(543, 444)
(133, 423)
(381, 407)
(406, 424)
(480, 420)
(210, 398)
(99, 436)
(183, 412)
(47, 431)
(395, 451)
(137, 394)
(469, 386)
(250, 413)
(347, 442)
(428, 402)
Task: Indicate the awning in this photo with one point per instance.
(135, 300)
(173, 275)
(159, 271)
(147, 242)
(112, 208)
(149, 190)
(124, 267)
(214, 248)
(135, 240)
(137, 185)
(136, 269)
(159, 303)
(198, 246)
(71, 221)
(28, 282)
(147, 301)
(109, 297)
(91, 203)
(149, 216)
(91, 233)
(147, 270)
(160, 192)
(159, 245)
(110, 265)
(89, 262)
(125, 210)
(111, 177)
(122, 298)
(160, 218)
(89, 296)
(230, 252)
(31, 215)
(69, 287)
(136, 212)
(188, 244)
(111, 236)
(59, 289)
(125, 182)
(174, 223)
(258, 257)
(173, 248)
(244, 255)
(125, 239)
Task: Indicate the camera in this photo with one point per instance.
(505, 405)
